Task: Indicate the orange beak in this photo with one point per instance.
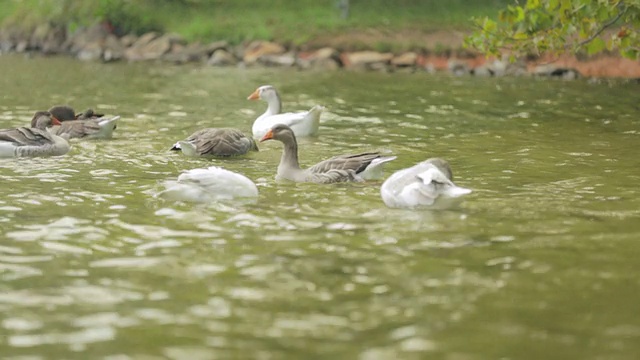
(55, 121)
(254, 95)
(267, 136)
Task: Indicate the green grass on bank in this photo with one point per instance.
(289, 21)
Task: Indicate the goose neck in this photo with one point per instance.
(274, 105)
(289, 157)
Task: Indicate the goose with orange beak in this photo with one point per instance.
(342, 168)
(87, 124)
(304, 123)
(39, 140)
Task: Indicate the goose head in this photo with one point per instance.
(264, 92)
(43, 119)
(280, 132)
(63, 112)
(443, 166)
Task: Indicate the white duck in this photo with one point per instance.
(420, 185)
(342, 168)
(32, 142)
(207, 185)
(305, 123)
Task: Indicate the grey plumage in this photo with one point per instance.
(222, 142)
(92, 128)
(340, 168)
(36, 141)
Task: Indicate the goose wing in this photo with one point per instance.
(356, 163)
(23, 136)
(334, 176)
(222, 142)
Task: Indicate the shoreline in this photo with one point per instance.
(99, 43)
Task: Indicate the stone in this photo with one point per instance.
(482, 71)
(369, 60)
(181, 54)
(326, 58)
(128, 40)
(145, 39)
(555, 71)
(48, 38)
(407, 59)
(457, 67)
(81, 38)
(113, 49)
(257, 49)
(222, 57)
(11, 37)
(286, 60)
(90, 52)
(210, 48)
(150, 46)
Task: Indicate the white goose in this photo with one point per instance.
(32, 142)
(207, 185)
(303, 123)
(341, 168)
(420, 185)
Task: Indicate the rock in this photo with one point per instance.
(287, 59)
(367, 60)
(48, 38)
(92, 37)
(155, 49)
(145, 39)
(408, 59)
(113, 49)
(22, 45)
(504, 66)
(457, 67)
(13, 37)
(128, 40)
(482, 71)
(181, 54)
(222, 57)
(216, 45)
(555, 71)
(150, 46)
(90, 52)
(326, 58)
(257, 49)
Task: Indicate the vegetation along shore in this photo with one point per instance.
(408, 35)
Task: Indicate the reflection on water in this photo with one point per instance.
(541, 256)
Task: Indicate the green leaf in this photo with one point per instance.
(632, 54)
(597, 45)
(520, 16)
(520, 36)
(532, 4)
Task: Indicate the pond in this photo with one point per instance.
(539, 262)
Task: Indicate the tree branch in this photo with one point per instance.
(606, 25)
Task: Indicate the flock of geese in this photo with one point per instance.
(417, 186)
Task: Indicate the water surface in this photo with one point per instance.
(540, 262)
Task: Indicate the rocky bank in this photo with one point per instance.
(99, 43)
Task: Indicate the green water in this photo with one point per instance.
(539, 262)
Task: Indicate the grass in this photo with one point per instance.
(288, 21)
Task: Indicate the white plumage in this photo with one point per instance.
(207, 185)
(420, 185)
(304, 123)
